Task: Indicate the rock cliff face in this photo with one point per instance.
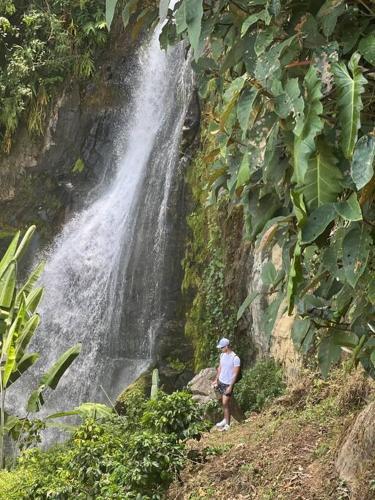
(37, 182)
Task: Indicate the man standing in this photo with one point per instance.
(227, 374)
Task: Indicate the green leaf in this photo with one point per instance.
(367, 48)
(180, 19)
(244, 171)
(372, 357)
(264, 39)
(253, 18)
(24, 242)
(317, 222)
(356, 249)
(193, 18)
(79, 166)
(268, 64)
(349, 90)
(52, 377)
(329, 13)
(54, 374)
(92, 410)
(344, 339)
(350, 209)
(246, 303)
(26, 335)
(304, 142)
(110, 6)
(328, 354)
(323, 178)
(270, 314)
(300, 330)
(291, 102)
(295, 277)
(269, 274)
(30, 283)
(9, 254)
(245, 107)
(22, 366)
(33, 299)
(9, 364)
(362, 169)
(299, 207)
(8, 286)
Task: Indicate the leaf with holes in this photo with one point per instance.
(304, 142)
(350, 87)
(317, 222)
(291, 102)
(356, 249)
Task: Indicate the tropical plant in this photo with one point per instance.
(113, 457)
(41, 44)
(259, 385)
(18, 323)
(289, 89)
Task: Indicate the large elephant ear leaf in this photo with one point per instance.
(52, 377)
(349, 90)
(323, 178)
(304, 142)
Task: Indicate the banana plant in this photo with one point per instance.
(18, 323)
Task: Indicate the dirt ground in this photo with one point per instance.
(286, 452)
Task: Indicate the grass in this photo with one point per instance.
(286, 452)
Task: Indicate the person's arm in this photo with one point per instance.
(236, 371)
(216, 381)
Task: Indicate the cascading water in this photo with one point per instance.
(103, 279)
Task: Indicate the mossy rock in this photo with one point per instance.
(139, 390)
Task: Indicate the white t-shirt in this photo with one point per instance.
(227, 362)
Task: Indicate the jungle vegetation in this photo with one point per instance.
(288, 91)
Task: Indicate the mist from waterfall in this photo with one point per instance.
(92, 279)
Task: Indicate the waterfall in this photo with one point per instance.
(103, 278)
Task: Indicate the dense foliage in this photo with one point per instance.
(133, 456)
(18, 324)
(288, 90)
(41, 44)
(259, 385)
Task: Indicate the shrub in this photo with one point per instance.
(259, 385)
(116, 458)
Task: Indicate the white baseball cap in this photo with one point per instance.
(223, 343)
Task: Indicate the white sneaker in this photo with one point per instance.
(222, 423)
(225, 427)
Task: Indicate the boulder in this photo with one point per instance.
(358, 449)
(201, 386)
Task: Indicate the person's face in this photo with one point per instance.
(224, 349)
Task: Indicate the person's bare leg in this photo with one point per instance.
(226, 406)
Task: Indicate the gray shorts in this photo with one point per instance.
(221, 389)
